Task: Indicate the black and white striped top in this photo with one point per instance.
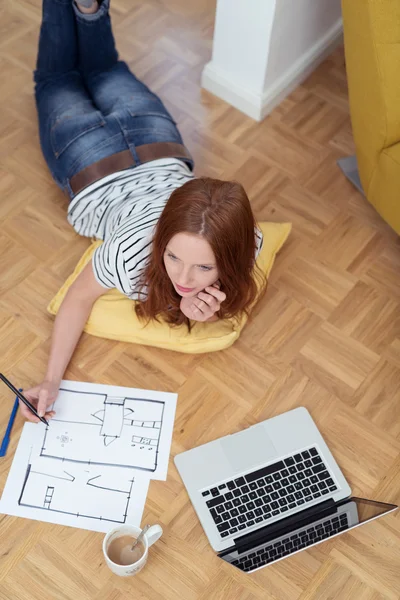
(123, 209)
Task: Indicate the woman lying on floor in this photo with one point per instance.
(183, 247)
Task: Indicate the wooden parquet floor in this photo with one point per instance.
(326, 336)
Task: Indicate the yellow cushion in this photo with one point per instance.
(113, 314)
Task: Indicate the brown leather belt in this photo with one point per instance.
(124, 160)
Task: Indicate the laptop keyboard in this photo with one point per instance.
(268, 492)
(276, 550)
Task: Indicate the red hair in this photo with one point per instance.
(220, 212)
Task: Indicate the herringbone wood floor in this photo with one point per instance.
(327, 335)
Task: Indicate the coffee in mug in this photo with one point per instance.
(117, 548)
(121, 553)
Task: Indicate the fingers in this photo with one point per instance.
(41, 397)
(43, 401)
(203, 306)
(216, 293)
(194, 312)
(206, 308)
(195, 307)
(211, 301)
(27, 414)
(213, 298)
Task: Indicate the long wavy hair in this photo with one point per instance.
(220, 212)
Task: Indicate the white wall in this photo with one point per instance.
(264, 48)
(298, 26)
(240, 47)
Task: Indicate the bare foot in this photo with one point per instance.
(85, 9)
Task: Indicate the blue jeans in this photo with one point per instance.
(89, 104)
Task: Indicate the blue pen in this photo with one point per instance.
(6, 438)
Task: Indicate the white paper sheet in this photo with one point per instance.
(88, 497)
(111, 425)
(90, 468)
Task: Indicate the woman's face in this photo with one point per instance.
(190, 264)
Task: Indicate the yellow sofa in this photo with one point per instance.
(372, 51)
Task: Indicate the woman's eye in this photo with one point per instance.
(172, 257)
(204, 268)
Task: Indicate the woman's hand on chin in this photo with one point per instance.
(204, 306)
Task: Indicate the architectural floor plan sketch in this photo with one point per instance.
(108, 425)
(89, 497)
(81, 492)
(90, 467)
(117, 430)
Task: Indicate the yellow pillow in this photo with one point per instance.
(113, 314)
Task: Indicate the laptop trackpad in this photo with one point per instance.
(248, 448)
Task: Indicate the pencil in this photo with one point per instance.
(23, 399)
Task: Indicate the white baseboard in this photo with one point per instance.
(257, 106)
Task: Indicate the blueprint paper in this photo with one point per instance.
(88, 497)
(90, 467)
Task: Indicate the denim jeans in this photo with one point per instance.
(89, 104)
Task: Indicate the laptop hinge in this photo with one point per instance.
(283, 526)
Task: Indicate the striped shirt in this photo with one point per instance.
(123, 210)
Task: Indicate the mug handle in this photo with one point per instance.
(153, 534)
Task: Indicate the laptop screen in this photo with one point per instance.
(281, 539)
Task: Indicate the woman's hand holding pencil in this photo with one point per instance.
(41, 396)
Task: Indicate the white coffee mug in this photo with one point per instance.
(152, 535)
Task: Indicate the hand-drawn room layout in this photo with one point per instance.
(77, 490)
(104, 430)
(71, 493)
(91, 465)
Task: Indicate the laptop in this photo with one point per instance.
(270, 491)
